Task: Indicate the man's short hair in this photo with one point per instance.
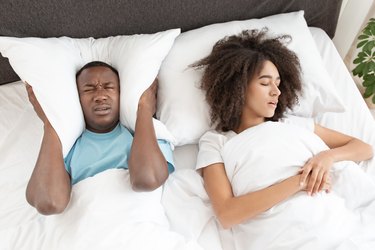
(96, 64)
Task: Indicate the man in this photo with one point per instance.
(104, 144)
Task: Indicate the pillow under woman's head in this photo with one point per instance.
(49, 65)
(181, 103)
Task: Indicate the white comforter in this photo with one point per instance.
(260, 157)
(104, 213)
(271, 152)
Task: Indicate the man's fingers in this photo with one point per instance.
(30, 93)
(155, 84)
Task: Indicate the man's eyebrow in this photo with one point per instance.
(106, 83)
(85, 84)
(91, 84)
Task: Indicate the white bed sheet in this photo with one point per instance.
(20, 138)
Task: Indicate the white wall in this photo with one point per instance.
(353, 17)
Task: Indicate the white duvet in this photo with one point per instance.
(273, 151)
(104, 213)
(260, 157)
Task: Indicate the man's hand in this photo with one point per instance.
(147, 102)
(38, 109)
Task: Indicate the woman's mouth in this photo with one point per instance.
(273, 104)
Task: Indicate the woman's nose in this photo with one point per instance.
(275, 91)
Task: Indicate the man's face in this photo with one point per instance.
(99, 94)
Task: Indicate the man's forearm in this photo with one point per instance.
(49, 186)
(147, 165)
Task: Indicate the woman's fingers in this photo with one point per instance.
(325, 184)
(306, 169)
(318, 182)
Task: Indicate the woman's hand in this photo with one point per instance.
(315, 173)
(147, 102)
(38, 109)
(327, 186)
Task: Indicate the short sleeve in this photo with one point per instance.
(307, 123)
(67, 160)
(166, 149)
(210, 146)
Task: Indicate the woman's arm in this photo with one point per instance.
(147, 166)
(232, 210)
(49, 186)
(342, 147)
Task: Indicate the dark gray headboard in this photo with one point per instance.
(101, 18)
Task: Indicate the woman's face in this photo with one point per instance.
(262, 93)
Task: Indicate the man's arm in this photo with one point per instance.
(49, 186)
(148, 167)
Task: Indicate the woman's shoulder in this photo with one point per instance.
(214, 135)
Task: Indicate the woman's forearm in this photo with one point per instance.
(355, 150)
(236, 210)
(343, 147)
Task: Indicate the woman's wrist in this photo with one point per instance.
(330, 153)
(297, 182)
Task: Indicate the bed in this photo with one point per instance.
(105, 213)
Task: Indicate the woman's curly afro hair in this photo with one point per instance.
(234, 61)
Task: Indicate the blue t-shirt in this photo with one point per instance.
(93, 153)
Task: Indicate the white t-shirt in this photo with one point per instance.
(212, 142)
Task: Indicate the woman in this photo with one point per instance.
(257, 159)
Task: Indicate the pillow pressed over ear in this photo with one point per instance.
(182, 105)
(50, 65)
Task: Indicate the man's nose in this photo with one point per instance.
(100, 95)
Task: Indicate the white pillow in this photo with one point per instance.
(181, 104)
(50, 65)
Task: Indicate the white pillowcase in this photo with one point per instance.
(50, 65)
(181, 104)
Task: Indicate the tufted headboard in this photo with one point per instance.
(102, 18)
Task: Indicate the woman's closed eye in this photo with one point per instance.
(277, 84)
(265, 83)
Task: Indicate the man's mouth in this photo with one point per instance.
(102, 109)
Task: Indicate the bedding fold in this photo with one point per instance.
(104, 213)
